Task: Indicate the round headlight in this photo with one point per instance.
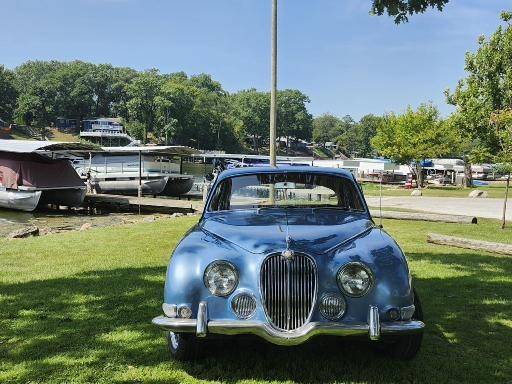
(221, 278)
(355, 279)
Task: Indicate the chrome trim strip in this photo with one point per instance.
(373, 323)
(202, 320)
(267, 332)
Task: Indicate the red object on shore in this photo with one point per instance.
(408, 181)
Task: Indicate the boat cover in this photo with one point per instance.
(33, 170)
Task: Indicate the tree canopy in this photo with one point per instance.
(8, 94)
(486, 89)
(169, 108)
(400, 10)
(415, 135)
(353, 138)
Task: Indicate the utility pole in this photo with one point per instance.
(273, 90)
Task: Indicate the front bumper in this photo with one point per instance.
(373, 329)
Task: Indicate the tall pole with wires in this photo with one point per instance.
(273, 90)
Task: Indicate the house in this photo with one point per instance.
(106, 131)
(103, 124)
(65, 123)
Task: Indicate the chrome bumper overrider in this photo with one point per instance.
(201, 326)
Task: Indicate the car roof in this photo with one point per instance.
(284, 169)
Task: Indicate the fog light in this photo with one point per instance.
(393, 314)
(332, 306)
(185, 312)
(244, 305)
(170, 310)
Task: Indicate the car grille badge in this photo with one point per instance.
(288, 254)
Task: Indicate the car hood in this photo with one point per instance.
(266, 230)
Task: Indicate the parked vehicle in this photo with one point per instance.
(286, 254)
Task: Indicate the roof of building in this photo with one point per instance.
(158, 149)
(30, 146)
(252, 157)
(109, 119)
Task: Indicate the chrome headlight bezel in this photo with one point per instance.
(345, 268)
(216, 264)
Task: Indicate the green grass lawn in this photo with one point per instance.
(494, 191)
(77, 308)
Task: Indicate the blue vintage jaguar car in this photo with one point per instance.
(286, 254)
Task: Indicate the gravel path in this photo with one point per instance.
(485, 208)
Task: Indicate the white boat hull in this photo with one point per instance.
(158, 185)
(20, 200)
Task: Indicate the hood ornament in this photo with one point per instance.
(288, 254)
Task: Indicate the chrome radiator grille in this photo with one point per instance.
(288, 289)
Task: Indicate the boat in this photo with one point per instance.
(150, 170)
(37, 173)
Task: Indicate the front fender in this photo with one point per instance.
(392, 284)
(184, 279)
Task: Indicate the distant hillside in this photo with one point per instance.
(323, 153)
(25, 133)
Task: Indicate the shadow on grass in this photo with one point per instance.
(96, 326)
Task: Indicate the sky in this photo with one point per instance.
(344, 59)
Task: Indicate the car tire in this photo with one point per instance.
(407, 347)
(183, 347)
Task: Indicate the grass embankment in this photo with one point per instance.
(494, 191)
(52, 134)
(76, 307)
(323, 153)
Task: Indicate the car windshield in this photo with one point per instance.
(290, 189)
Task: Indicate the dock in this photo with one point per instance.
(142, 204)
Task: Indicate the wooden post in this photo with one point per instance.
(139, 190)
(503, 219)
(273, 89)
(477, 245)
(273, 99)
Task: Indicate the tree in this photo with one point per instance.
(8, 94)
(353, 138)
(414, 136)
(142, 106)
(402, 9)
(293, 119)
(347, 138)
(73, 86)
(250, 109)
(487, 88)
(502, 121)
(326, 127)
(37, 88)
(366, 129)
(76, 89)
(136, 129)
